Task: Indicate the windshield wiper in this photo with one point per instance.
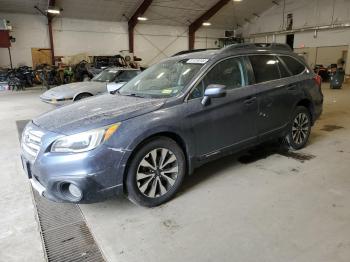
(115, 91)
(134, 95)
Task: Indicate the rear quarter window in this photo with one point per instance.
(265, 68)
(283, 70)
(294, 66)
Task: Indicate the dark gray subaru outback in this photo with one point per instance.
(170, 119)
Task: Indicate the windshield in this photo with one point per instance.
(107, 75)
(163, 80)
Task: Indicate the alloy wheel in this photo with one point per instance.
(300, 128)
(157, 172)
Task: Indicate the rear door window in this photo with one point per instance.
(265, 68)
(295, 67)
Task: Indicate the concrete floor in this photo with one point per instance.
(273, 209)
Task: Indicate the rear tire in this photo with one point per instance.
(155, 173)
(299, 129)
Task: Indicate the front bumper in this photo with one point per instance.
(56, 101)
(98, 173)
(95, 187)
(92, 190)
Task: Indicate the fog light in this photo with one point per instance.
(75, 191)
(71, 192)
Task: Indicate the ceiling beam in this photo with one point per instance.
(203, 18)
(133, 22)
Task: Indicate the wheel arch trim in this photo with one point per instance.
(81, 93)
(161, 132)
(306, 102)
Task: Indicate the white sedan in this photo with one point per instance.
(108, 80)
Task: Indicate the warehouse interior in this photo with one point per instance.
(258, 204)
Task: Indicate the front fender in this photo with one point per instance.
(155, 131)
(160, 130)
(93, 90)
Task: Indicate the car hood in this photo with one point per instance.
(71, 89)
(115, 86)
(95, 112)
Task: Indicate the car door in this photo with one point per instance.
(294, 84)
(225, 122)
(94, 88)
(271, 81)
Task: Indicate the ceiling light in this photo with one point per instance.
(237, 0)
(206, 24)
(54, 10)
(142, 18)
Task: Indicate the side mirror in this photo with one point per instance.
(213, 91)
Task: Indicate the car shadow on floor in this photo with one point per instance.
(245, 157)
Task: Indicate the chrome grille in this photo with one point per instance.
(31, 141)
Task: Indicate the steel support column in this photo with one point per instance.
(203, 18)
(133, 22)
(49, 25)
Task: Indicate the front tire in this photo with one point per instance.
(82, 96)
(156, 172)
(299, 129)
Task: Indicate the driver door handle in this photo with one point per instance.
(250, 100)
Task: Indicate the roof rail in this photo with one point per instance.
(264, 46)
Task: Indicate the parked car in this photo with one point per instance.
(72, 92)
(170, 119)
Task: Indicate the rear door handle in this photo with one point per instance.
(250, 100)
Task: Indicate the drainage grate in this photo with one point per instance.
(64, 232)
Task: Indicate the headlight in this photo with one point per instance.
(85, 141)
